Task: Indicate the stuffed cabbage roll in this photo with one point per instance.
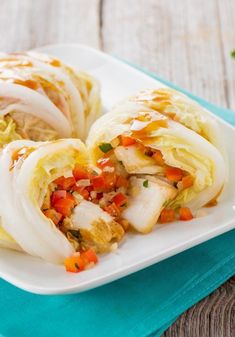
(50, 200)
(177, 170)
(43, 99)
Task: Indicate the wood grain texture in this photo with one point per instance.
(212, 317)
(187, 42)
(26, 24)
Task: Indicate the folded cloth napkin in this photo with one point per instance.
(142, 304)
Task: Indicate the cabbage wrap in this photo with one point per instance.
(43, 208)
(45, 99)
(151, 144)
(181, 108)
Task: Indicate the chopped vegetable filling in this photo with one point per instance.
(109, 189)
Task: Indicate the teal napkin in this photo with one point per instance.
(143, 304)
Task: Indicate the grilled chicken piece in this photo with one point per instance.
(135, 161)
(146, 202)
(97, 228)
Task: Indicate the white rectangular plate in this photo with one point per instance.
(119, 80)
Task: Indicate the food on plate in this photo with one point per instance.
(155, 157)
(182, 109)
(42, 98)
(172, 169)
(55, 206)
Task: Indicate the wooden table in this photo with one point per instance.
(187, 42)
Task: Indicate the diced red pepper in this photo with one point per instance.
(74, 264)
(78, 262)
(61, 194)
(89, 256)
(119, 199)
(80, 172)
(121, 182)
(65, 183)
(53, 215)
(174, 174)
(113, 210)
(56, 195)
(187, 181)
(82, 190)
(71, 197)
(127, 141)
(98, 183)
(167, 215)
(185, 214)
(110, 180)
(65, 206)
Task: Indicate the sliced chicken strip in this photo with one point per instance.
(147, 198)
(96, 226)
(135, 161)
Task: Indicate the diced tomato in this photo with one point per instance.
(80, 172)
(98, 183)
(187, 181)
(185, 214)
(56, 195)
(53, 215)
(158, 158)
(74, 264)
(89, 256)
(174, 173)
(85, 194)
(82, 190)
(120, 199)
(61, 194)
(121, 182)
(167, 215)
(70, 197)
(103, 162)
(110, 179)
(113, 210)
(64, 206)
(127, 141)
(78, 262)
(65, 183)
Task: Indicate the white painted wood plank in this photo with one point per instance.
(178, 40)
(26, 24)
